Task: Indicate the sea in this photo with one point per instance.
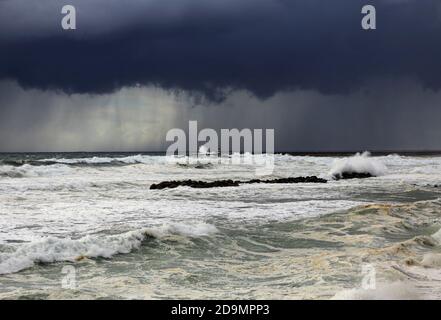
(87, 226)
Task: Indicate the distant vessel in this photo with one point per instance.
(204, 151)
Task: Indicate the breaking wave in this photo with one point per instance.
(359, 163)
(51, 249)
(28, 170)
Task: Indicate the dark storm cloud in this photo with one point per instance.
(213, 47)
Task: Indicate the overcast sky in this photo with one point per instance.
(134, 69)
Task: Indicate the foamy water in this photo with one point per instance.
(95, 212)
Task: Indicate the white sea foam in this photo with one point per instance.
(390, 291)
(359, 163)
(189, 230)
(431, 260)
(203, 150)
(51, 249)
(437, 236)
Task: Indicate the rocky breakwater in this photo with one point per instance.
(231, 183)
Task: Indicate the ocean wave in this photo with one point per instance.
(51, 249)
(11, 173)
(196, 165)
(19, 163)
(97, 161)
(359, 163)
(28, 170)
(91, 161)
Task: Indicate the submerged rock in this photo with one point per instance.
(353, 175)
(311, 179)
(194, 184)
(231, 183)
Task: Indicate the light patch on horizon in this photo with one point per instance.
(386, 115)
(130, 119)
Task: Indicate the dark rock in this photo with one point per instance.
(353, 175)
(231, 183)
(194, 184)
(312, 179)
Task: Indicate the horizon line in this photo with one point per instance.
(275, 152)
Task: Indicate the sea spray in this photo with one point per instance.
(360, 164)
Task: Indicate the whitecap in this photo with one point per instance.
(359, 163)
(389, 291)
(51, 249)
